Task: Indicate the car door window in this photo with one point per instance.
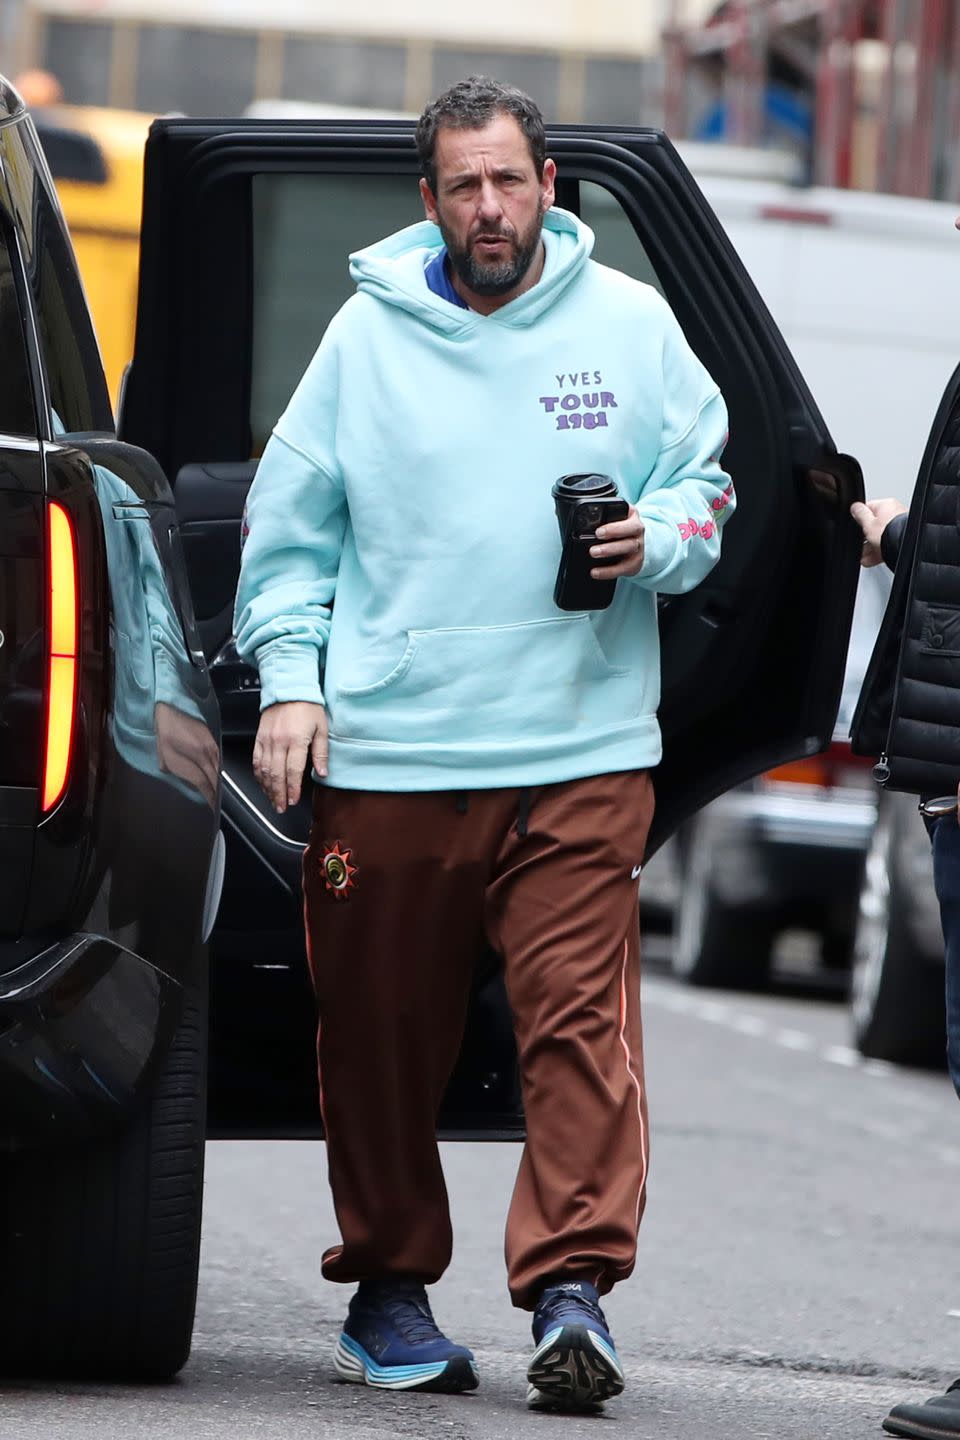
(304, 229)
(70, 357)
(617, 244)
(16, 398)
(76, 389)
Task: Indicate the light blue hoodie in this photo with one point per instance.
(409, 481)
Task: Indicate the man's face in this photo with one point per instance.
(489, 203)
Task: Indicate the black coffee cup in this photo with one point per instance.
(582, 503)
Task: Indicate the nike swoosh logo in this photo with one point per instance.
(635, 872)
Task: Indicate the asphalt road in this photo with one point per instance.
(799, 1264)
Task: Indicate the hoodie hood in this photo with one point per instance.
(392, 271)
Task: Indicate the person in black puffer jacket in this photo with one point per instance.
(883, 523)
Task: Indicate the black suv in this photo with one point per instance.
(116, 597)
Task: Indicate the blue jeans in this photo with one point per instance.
(946, 879)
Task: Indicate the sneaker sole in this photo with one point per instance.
(917, 1430)
(573, 1369)
(441, 1377)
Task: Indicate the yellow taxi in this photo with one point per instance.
(96, 159)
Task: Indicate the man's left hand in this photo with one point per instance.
(622, 539)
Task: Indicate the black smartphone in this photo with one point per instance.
(576, 588)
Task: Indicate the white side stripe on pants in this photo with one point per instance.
(633, 1076)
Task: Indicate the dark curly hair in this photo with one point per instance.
(470, 105)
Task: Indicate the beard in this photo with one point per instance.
(495, 277)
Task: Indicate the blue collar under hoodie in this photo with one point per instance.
(392, 270)
(409, 480)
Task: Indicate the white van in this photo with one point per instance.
(866, 289)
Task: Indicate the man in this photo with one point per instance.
(883, 523)
(482, 757)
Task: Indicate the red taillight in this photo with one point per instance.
(835, 766)
(800, 772)
(62, 654)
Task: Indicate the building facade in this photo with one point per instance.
(583, 62)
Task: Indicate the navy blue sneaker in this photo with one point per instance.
(391, 1340)
(575, 1364)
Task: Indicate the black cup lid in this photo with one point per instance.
(577, 486)
(592, 484)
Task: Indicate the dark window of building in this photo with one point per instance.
(78, 53)
(537, 75)
(16, 399)
(620, 92)
(346, 72)
(201, 72)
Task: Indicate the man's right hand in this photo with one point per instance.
(873, 518)
(287, 734)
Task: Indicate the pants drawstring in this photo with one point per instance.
(463, 802)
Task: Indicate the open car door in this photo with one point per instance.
(246, 231)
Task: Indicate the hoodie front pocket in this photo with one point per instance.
(487, 684)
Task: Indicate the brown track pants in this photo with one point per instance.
(392, 949)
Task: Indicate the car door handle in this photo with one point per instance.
(133, 509)
(230, 674)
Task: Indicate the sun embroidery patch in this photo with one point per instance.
(338, 871)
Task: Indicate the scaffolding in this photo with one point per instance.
(881, 77)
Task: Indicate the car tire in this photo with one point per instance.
(897, 999)
(714, 943)
(100, 1252)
